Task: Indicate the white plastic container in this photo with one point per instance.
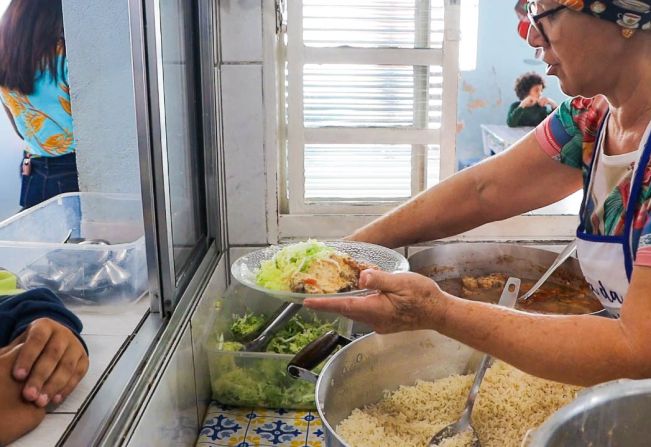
(257, 379)
(103, 261)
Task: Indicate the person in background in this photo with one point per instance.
(35, 93)
(532, 107)
(42, 358)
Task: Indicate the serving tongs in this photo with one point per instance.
(508, 299)
(278, 320)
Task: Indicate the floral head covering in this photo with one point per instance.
(630, 15)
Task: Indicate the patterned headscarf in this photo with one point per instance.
(630, 15)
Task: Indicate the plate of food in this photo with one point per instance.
(293, 272)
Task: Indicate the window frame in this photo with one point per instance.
(334, 220)
(299, 55)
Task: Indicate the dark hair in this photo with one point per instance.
(524, 83)
(30, 34)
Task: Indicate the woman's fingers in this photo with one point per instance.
(389, 282)
(345, 306)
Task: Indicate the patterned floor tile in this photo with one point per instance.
(219, 428)
(277, 431)
(245, 427)
(316, 435)
(279, 413)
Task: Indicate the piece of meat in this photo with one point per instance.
(470, 282)
(337, 273)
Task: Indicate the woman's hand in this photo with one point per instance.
(404, 301)
(51, 362)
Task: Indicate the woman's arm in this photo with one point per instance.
(517, 180)
(582, 350)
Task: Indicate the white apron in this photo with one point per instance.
(607, 261)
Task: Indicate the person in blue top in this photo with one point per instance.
(35, 93)
(42, 358)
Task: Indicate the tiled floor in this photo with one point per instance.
(248, 427)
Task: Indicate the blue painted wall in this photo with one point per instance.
(486, 93)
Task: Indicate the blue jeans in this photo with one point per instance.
(49, 177)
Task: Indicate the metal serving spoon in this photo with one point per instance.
(508, 298)
(562, 256)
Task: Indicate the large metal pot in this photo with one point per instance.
(362, 371)
(614, 414)
(454, 260)
(458, 259)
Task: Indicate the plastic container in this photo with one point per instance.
(257, 379)
(103, 260)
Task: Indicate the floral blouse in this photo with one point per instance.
(569, 136)
(44, 118)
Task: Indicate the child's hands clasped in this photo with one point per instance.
(51, 362)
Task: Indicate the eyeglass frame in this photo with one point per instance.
(535, 18)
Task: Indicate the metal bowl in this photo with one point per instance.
(244, 270)
(611, 414)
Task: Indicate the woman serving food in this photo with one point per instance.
(600, 50)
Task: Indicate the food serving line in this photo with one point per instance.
(246, 409)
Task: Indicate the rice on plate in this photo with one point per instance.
(510, 403)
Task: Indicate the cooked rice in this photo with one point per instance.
(459, 440)
(510, 402)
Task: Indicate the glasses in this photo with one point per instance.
(535, 17)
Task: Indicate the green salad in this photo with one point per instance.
(275, 273)
(258, 381)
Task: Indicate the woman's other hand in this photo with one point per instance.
(403, 302)
(17, 416)
(51, 362)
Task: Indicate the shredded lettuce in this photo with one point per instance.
(263, 381)
(275, 273)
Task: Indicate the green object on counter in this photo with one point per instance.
(9, 284)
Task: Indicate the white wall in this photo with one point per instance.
(101, 85)
(10, 155)
(243, 111)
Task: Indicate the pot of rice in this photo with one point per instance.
(400, 389)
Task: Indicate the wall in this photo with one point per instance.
(10, 156)
(486, 93)
(243, 119)
(99, 60)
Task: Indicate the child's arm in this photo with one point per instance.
(53, 358)
(17, 416)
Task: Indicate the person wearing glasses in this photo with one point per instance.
(600, 51)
